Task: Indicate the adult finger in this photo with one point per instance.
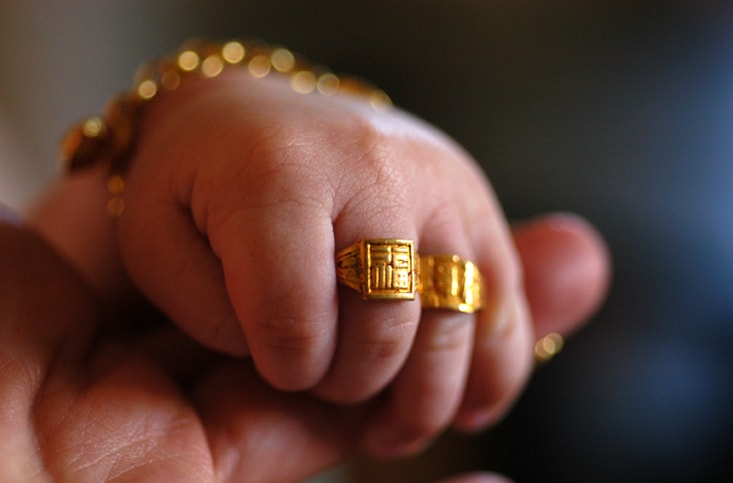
(566, 270)
(256, 433)
(58, 393)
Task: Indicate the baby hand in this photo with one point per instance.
(241, 193)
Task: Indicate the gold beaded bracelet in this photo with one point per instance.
(110, 139)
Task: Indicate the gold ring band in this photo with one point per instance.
(449, 282)
(390, 269)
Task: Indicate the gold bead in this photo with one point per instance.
(188, 60)
(233, 52)
(115, 184)
(147, 89)
(110, 139)
(328, 84)
(259, 66)
(212, 66)
(282, 60)
(94, 127)
(303, 82)
(79, 150)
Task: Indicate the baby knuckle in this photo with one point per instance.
(383, 349)
(453, 336)
(288, 336)
(390, 343)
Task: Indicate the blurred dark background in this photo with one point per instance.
(620, 111)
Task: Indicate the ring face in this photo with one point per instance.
(448, 282)
(389, 269)
(380, 268)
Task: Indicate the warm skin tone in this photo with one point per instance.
(233, 179)
(83, 401)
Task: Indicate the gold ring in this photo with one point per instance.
(390, 269)
(380, 269)
(449, 282)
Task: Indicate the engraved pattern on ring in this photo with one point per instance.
(390, 269)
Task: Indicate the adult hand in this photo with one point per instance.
(82, 399)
